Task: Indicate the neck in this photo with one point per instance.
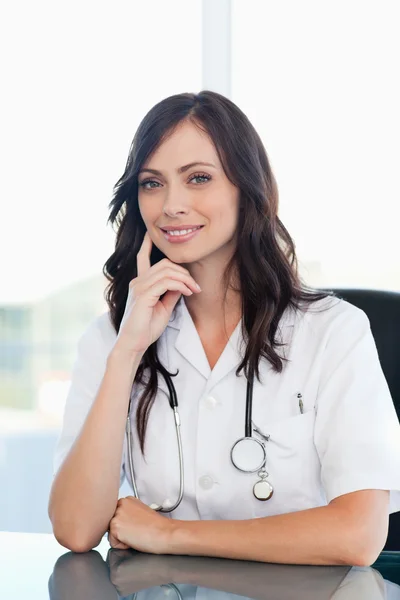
(211, 308)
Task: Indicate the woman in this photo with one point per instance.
(203, 291)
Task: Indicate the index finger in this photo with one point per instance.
(143, 256)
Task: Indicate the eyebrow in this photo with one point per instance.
(180, 169)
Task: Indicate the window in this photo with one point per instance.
(319, 81)
(79, 78)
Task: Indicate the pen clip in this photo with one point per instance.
(301, 405)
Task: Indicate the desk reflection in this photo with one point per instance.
(132, 575)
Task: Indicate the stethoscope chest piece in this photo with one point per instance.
(248, 455)
(262, 489)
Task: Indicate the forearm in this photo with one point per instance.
(85, 490)
(317, 536)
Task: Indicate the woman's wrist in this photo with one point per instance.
(124, 363)
(119, 355)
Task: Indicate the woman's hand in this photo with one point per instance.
(136, 525)
(146, 316)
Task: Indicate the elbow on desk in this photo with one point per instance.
(362, 521)
(73, 535)
(364, 547)
(75, 541)
(364, 558)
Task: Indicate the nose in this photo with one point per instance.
(176, 202)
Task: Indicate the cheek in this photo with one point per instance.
(228, 209)
(221, 205)
(142, 212)
(226, 217)
(148, 211)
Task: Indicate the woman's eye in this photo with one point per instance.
(143, 184)
(147, 184)
(206, 177)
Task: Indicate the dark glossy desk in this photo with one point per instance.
(35, 566)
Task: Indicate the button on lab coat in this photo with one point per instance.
(346, 439)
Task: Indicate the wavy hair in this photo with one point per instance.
(264, 262)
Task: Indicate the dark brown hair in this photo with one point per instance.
(264, 262)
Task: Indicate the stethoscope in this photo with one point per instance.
(247, 454)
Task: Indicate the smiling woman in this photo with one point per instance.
(204, 289)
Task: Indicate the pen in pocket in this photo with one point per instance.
(301, 405)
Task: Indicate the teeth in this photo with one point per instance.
(182, 231)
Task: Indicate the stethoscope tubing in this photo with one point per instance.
(181, 465)
(173, 401)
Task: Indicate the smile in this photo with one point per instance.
(182, 231)
(181, 235)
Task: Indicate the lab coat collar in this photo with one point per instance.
(189, 345)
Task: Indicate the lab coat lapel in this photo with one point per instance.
(188, 342)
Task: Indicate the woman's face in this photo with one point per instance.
(174, 194)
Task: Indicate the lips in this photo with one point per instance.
(170, 228)
(172, 236)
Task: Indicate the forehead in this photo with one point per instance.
(187, 143)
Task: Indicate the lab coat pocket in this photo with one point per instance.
(292, 463)
(289, 434)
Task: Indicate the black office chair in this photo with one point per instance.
(383, 310)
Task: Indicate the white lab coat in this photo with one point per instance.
(347, 439)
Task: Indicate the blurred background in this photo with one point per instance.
(319, 81)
